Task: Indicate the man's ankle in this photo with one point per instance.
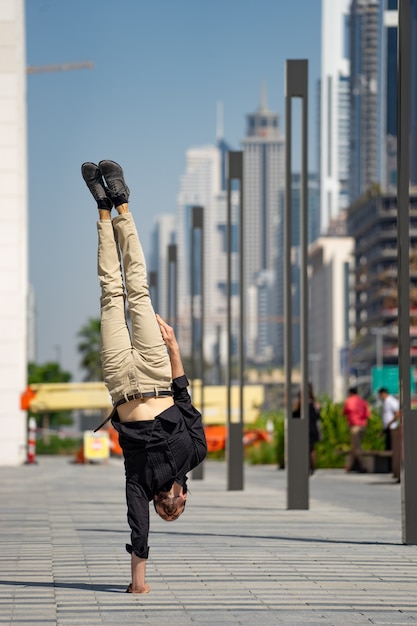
(104, 215)
(122, 208)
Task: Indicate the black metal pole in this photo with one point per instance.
(153, 289)
(172, 286)
(234, 425)
(197, 225)
(297, 455)
(409, 419)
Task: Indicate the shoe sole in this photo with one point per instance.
(114, 174)
(94, 181)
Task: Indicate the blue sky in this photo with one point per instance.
(160, 68)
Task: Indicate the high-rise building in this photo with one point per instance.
(202, 184)
(263, 148)
(388, 94)
(365, 96)
(413, 93)
(313, 207)
(388, 100)
(335, 110)
(163, 235)
(13, 232)
(372, 222)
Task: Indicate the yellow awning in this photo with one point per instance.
(69, 396)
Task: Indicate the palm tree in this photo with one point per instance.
(89, 348)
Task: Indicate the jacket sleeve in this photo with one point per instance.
(192, 418)
(138, 518)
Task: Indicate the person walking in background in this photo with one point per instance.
(390, 417)
(357, 412)
(160, 432)
(313, 420)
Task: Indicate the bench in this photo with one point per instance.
(377, 461)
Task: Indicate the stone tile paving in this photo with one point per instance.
(233, 557)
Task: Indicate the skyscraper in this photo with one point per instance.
(163, 235)
(202, 184)
(389, 96)
(335, 107)
(313, 206)
(413, 93)
(263, 148)
(365, 96)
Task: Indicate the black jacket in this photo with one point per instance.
(157, 453)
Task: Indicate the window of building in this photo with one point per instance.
(222, 287)
(222, 228)
(346, 36)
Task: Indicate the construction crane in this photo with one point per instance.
(63, 67)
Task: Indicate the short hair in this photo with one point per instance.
(382, 390)
(353, 390)
(171, 510)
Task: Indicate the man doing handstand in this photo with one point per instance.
(160, 432)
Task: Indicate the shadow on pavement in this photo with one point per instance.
(237, 536)
(63, 585)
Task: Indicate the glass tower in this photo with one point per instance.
(263, 148)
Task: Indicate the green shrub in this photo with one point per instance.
(334, 438)
(333, 444)
(217, 455)
(269, 452)
(58, 445)
(263, 453)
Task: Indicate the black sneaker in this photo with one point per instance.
(113, 175)
(95, 183)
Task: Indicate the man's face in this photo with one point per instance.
(169, 505)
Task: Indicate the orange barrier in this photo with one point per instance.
(216, 440)
(25, 398)
(114, 442)
(256, 436)
(216, 437)
(79, 457)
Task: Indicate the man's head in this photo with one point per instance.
(170, 504)
(383, 393)
(353, 391)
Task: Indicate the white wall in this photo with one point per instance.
(13, 231)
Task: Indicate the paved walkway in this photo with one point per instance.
(233, 557)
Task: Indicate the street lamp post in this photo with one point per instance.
(172, 286)
(409, 415)
(297, 458)
(153, 289)
(197, 226)
(235, 425)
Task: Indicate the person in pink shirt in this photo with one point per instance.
(357, 413)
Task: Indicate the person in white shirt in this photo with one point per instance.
(390, 415)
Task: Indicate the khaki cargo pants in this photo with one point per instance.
(133, 362)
